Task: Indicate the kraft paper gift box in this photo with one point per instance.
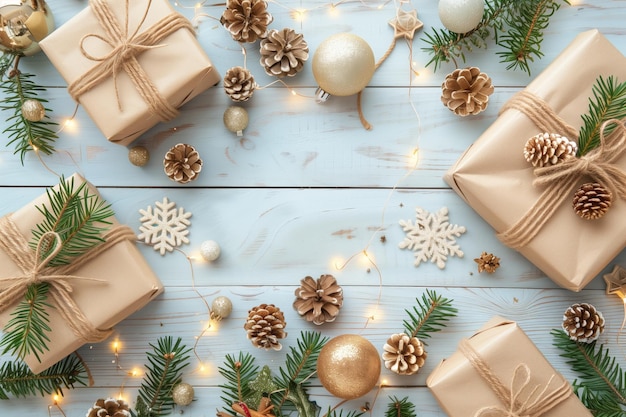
(506, 352)
(111, 286)
(494, 178)
(175, 65)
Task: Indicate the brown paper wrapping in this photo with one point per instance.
(179, 68)
(461, 391)
(129, 284)
(493, 177)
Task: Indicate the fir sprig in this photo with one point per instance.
(18, 380)
(602, 385)
(164, 370)
(239, 372)
(430, 315)
(339, 413)
(400, 408)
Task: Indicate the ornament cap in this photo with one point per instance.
(321, 96)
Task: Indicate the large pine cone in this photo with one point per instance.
(283, 52)
(266, 326)
(466, 91)
(319, 300)
(239, 84)
(583, 323)
(109, 408)
(549, 149)
(182, 163)
(404, 354)
(592, 201)
(246, 20)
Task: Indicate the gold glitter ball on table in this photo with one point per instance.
(210, 250)
(348, 366)
(138, 156)
(461, 16)
(23, 25)
(182, 394)
(236, 119)
(33, 110)
(221, 308)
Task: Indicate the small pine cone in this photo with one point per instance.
(319, 300)
(549, 149)
(109, 408)
(283, 52)
(466, 91)
(583, 323)
(592, 201)
(182, 163)
(487, 262)
(246, 20)
(239, 84)
(265, 326)
(403, 354)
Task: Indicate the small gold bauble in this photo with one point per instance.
(348, 366)
(236, 119)
(23, 25)
(461, 16)
(138, 156)
(182, 394)
(210, 250)
(221, 308)
(33, 110)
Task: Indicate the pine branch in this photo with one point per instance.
(239, 372)
(166, 362)
(608, 102)
(400, 408)
(603, 383)
(334, 413)
(26, 135)
(430, 315)
(18, 380)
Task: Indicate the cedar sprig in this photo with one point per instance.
(400, 408)
(17, 87)
(602, 384)
(430, 315)
(239, 372)
(18, 380)
(608, 102)
(164, 370)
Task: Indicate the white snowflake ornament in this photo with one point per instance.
(164, 227)
(432, 237)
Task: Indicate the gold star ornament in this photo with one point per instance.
(405, 24)
(616, 282)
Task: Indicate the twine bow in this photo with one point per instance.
(520, 399)
(35, 270)
(125, 48)
(561, 179)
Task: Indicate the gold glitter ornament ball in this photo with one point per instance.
(138, 156)
(343, 64)
(348, 366)
(461, 16)
(182, 394)
(236, 119)
(23, 25)
(33, 110)
(221, 308)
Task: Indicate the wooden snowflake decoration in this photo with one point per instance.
(164, 227)
(432, 237)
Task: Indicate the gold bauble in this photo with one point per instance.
(343, 64)
(138, 156)
(461, 16)
(182, 394)
(236, 119)
(221, 308)
(33, 110)
(23, 24)
(348, 366)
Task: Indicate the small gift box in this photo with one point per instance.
(499, 372)
(130, 64)
(106, 285)
(496, 180)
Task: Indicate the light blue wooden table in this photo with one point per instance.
(302, 191)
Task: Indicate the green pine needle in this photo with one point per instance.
(339, 413)
(400, 408)
(430, 315)
(164, 370)
(239, 372)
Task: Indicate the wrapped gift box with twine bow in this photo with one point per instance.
(499, 372)
(531, 209)
(130, 64)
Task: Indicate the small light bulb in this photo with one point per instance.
(55, 398)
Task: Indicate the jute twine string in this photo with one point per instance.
(561, 179)
(35, 270)
(520, 399)
(123, 55)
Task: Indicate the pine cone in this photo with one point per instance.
(549, 149)
(487, 262)
(246, 20)
(403, 354)
(182, 163)
(319, 300)
(109, 408)
(592, 201)
(283, 52)
(239, 84)
(466, 91)
(583, 323)
(265, 326)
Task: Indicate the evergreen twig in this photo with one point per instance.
(400, 408)
(239, 372)
(429, 316)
